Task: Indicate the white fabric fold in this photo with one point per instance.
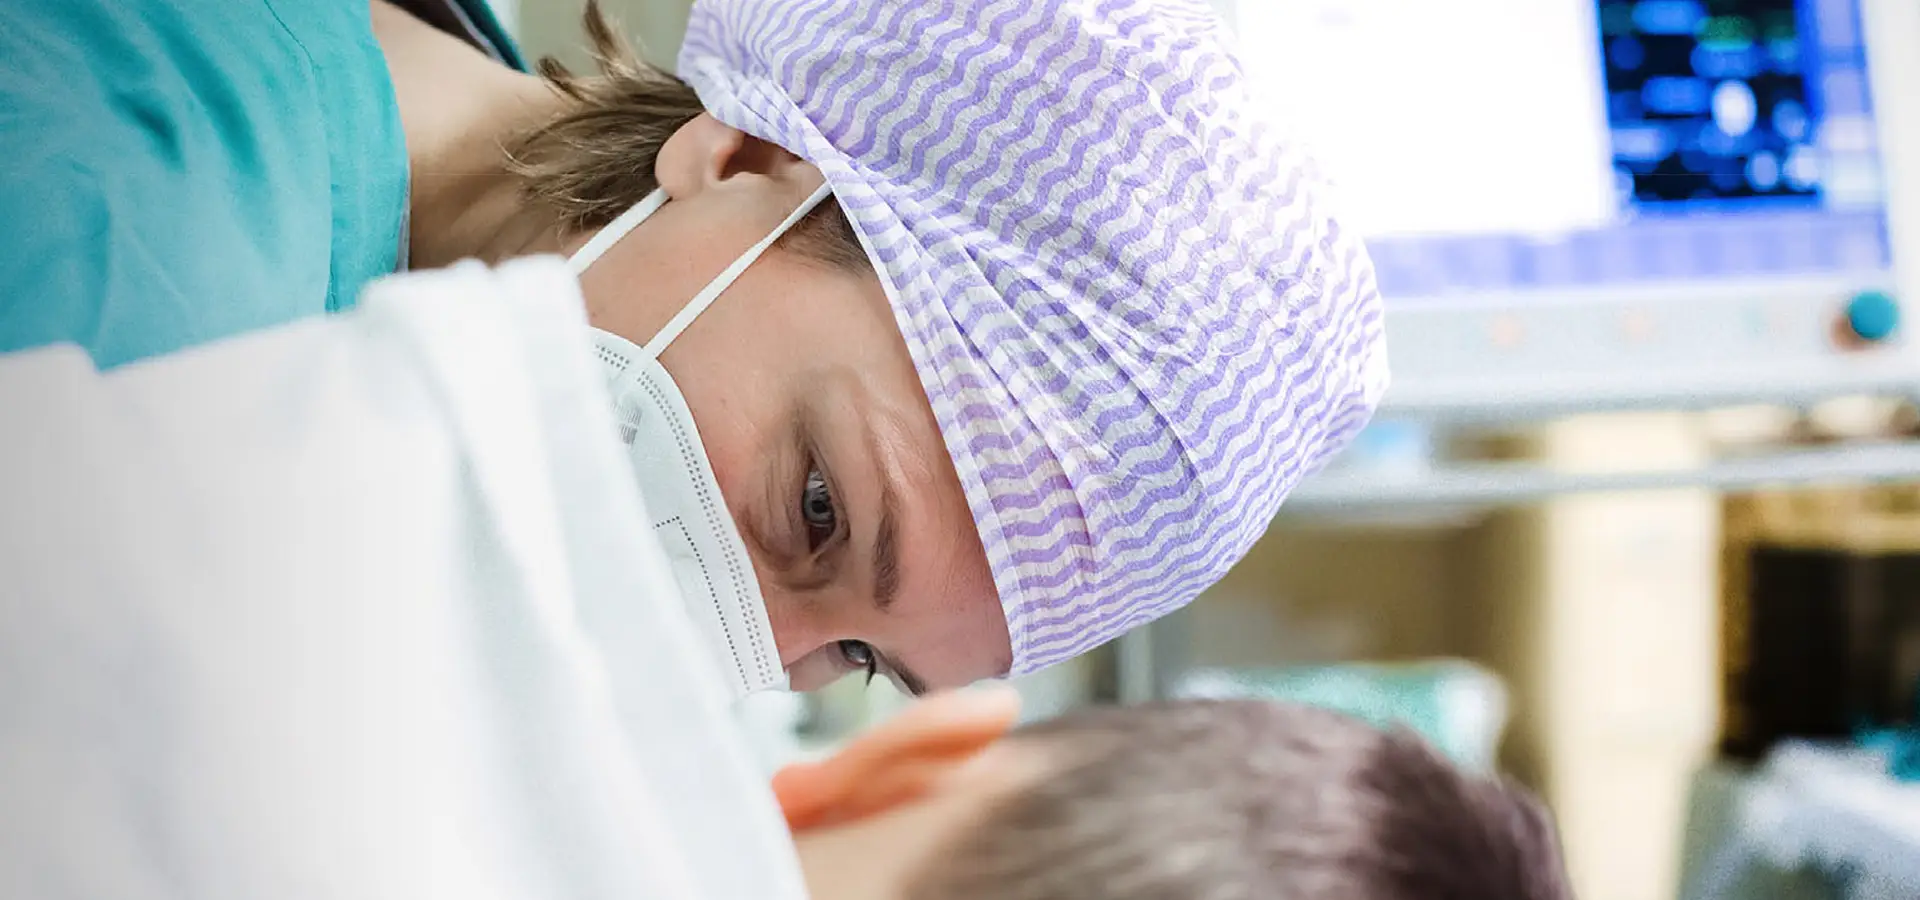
(360, 607)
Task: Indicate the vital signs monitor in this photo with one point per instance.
(1574, 203)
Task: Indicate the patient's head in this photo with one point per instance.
(1207, 800)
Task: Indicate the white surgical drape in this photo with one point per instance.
(362, 607)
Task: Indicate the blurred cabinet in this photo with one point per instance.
(1822, 612)
(1600, 612)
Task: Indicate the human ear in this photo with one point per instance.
(897, 762)
(705, 153)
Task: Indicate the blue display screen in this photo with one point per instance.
(1743, 145)
(1709, 100)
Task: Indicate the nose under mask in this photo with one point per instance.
(709, 558)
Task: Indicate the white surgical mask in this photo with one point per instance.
(709, 557)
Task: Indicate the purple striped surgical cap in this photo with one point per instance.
(1137, 321)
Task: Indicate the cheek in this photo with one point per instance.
(735, 410)
(796, 637)
(739, 417)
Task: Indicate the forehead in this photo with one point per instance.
(946, 577)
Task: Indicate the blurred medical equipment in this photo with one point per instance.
(675, 478)
(1900, 745)
(328, 611)
(1586, 228)
(1820, 808)
(1588, 205)
(1455, 705)
(1820, 659)
(1820, 618)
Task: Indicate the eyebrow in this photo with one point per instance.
(886, 578)
(886, 549)
(886, 533)
(886, 560)
(913, 683)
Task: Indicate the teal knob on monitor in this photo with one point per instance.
(1873, 315)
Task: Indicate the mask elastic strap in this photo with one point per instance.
(604, 240)
(726, 278)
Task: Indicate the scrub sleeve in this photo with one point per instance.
(177, 171)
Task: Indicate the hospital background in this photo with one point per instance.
(1640, 520)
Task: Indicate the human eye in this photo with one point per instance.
(859, 655)
(817, 510)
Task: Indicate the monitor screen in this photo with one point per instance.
(1540, 145)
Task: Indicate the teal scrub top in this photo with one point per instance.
(177, 171)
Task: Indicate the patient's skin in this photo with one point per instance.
(866, 821)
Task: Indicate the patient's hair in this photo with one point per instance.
(596, 160)
(1246, 800)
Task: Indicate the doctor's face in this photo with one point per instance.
(820, 435)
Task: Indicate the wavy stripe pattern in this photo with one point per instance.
(1138, 321)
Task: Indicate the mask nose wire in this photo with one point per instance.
(631, 219)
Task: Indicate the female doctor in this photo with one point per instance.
(1027, 317)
